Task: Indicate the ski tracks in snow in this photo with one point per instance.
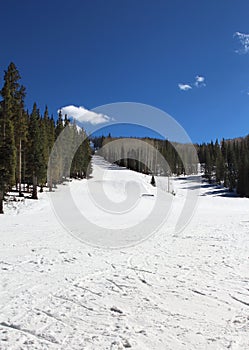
(189, 291)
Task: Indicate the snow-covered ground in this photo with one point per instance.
(184, 291)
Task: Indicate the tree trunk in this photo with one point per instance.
(34, 191)
(20, 169)
(50, 184)
(1, 202)
(49, 177)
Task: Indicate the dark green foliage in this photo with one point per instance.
(208, 169)
(26, 142)
(139, 157)
(10, 110)
(219, 167)
(59, 125)
(227, 163)
(35, 154)
(13, 95)
(7, 157)
(81, 162)
(243, 172)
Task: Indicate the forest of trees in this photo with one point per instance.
(225, 163)
(148, 155)
(28, 138)
(26, 141)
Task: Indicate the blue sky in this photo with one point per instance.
(94, 52)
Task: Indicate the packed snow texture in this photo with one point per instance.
(185, 291)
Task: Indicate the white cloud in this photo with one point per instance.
(200, 81)
(83, 115)
(244, 41)
(184, 87)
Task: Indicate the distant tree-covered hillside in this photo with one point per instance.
(148, 155)
(225, 163)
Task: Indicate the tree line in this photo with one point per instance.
(148, 155)
(27, 139)
(225, 163)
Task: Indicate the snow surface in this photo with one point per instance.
(185, 291)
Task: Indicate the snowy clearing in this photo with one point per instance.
(186, 291)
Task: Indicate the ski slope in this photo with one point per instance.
(184, 291)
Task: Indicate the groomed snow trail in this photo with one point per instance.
(189, 291)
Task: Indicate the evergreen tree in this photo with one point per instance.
(153, 181)
(59, 125)
(208, 165)
(219, 166)
(7, 156)
(80, 167)
(231, 167)
(42, 173)
(35, 155)
(243, 173)
(13, 95)
(49, 126)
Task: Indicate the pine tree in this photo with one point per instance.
(50, 127)
(35, 156)
(59, 125)
(42, 173)
(153, 181)
(80, 167)
(13, 109)
(231, 167)
(7, 156)
(219, 167)
(208, 165)
(243, 172)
